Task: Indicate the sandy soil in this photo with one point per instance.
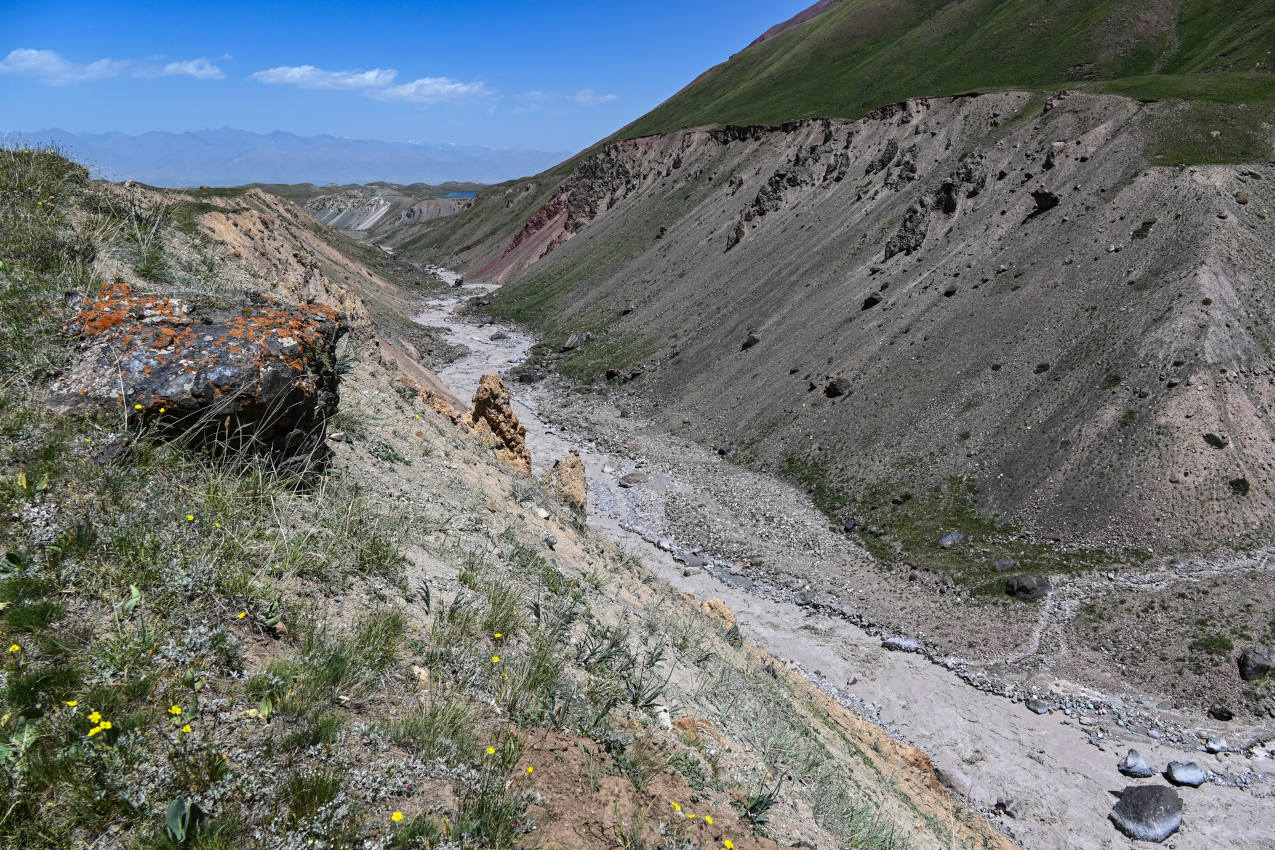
(967, 710)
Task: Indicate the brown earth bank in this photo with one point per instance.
(998, 303)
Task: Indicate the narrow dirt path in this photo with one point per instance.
(1045, 779)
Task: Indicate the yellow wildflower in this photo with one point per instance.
(13, 647)
(243, 614)
(94, 717)
(72, 703)
(137, 407)
(186, 728)
(676, 807)
(396, 817)
(105, 724)
(531, 769)
(495, 659)
(708, 819)
(94, 731)
(497, 635)
(163, 410)
(491, 751)
(727, 845)
(175, 710)
(190, 517)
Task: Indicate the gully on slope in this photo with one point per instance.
(1045, 779)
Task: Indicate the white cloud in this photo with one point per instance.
(310, 77)
(532, 101)
(433, 90)
(52, 69)
(377, 83)
(200, 69)
(588, 97)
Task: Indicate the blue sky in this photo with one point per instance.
(546, 76)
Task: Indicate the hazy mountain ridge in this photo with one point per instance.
(229, 157)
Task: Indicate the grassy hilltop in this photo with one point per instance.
(860, 54)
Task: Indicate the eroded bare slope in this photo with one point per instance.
(926, 316)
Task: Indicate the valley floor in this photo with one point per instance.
(972, 696)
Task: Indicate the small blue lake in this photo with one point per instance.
(458, 195)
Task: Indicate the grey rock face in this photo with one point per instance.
(1134, 765)
(1148, 812)
(1028, 588)
(1186, 773)
(947, 541)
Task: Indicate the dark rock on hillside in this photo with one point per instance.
(1255, 663)
(1221, 712)
(1004, 565)
(1045, 200)
(836, 387)
(254, 372)
(871, 301)
(749, 341)
(1028, 588)
(911, 233)
(1148, 812)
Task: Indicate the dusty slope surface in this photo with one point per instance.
(1063, 366)
(1053, 771)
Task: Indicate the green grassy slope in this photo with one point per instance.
(864, 53)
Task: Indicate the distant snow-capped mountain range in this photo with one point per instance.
(229, 157)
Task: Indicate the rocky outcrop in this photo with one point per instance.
(567, 479)
(255, 372)
(492, 418)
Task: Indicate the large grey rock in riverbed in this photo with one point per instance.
(633, 479)
(1148, 812)
(1186, 773)
(901, 644)
(1134, 765)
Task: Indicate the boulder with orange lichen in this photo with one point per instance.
(567, 479)
(251, 371)
(492, 418)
